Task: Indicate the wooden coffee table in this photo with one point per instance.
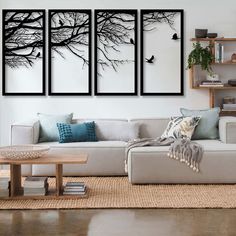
(54, 159)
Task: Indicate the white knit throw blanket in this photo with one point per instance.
(183, 150)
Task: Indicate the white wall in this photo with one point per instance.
(217, 16)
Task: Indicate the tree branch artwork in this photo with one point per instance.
(161, 43)
(23, 38)
(70, 30)
(153, 17)
(113, 30)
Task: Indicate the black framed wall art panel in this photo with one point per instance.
(161, 62)
(69, 52)
(23, 52)
(115, 69)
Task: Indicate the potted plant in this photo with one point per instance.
(201, 56)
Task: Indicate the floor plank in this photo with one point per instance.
(147, 222)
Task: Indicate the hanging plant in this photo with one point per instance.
(201, 56)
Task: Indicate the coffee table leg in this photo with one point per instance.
(15, 172)
(59, 177)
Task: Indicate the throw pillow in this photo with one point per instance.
(181, 127)
(84, 132)
(48, 126)
(117, 130)
(208, 125)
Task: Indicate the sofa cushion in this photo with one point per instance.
(48, 126)
(227, 129)
(208, 125)
(151, 127)
(84, 132)
(117, 131)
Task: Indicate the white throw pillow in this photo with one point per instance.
(117, 131)
(181, 127)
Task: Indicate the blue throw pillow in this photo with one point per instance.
(84, 132)
(48, 126)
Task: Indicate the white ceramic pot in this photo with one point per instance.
(213, 77)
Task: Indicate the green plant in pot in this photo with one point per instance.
(201, 56)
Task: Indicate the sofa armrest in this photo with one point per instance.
(227, 129)
(25, 132)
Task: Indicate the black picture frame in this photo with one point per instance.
(15, 28)
(180, 38)
(134, 13)
(72, 50)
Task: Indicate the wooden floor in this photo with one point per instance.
(147, 222)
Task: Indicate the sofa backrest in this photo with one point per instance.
(151, 127)
(148, 127)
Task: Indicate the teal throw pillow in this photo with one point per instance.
(48, 126)
(208, 125)
(84, 132)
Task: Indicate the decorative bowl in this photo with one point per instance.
(201, 33)
(23, 152)
(212, 35)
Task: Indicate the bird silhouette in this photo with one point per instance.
(150, 60)
(38, 54)
(175, 36)
(61, 23)
(131, 41)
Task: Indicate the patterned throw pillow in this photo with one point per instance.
(181, 127)
(84, 132)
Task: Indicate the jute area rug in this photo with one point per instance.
(117, 192)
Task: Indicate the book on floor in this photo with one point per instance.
(4, 193)
(74, 193)
(35, 182)
(75, 184)
(38, 190)
(4, 183)
(73, 188)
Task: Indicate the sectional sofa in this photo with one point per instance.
(145, 164)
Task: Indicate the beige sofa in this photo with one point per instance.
(145, 164)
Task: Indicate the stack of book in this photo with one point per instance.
(211, 83)
(35, 186)
(229, 107)
(4, 186)
(219, 52)
(73, 188)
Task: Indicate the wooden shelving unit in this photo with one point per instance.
(212, 90)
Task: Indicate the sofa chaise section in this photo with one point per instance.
(149, 165)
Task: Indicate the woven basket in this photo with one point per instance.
(23, 152)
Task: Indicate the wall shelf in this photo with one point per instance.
(212, 89)
(222, 39)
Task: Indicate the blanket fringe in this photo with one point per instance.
(186, 151)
